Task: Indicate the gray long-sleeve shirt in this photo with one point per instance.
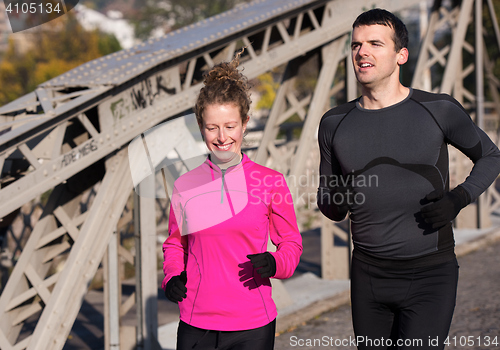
(397, 156)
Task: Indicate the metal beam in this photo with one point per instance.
(60, 312)
(146, 265)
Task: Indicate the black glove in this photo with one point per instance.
(264, 263)
(175, 290)
(446, 206)
(342, 197)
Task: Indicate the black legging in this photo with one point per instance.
(412, 309)
(189, 337)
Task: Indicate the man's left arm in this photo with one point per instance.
(461, 132)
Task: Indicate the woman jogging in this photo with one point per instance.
(222, 215)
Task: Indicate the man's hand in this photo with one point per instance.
(445, 208)
(175, 290)
(336, 196)
(342, 197)
(264, 263)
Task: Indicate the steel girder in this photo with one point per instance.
(83, 237)
(121, 95)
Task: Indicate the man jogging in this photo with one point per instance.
(404, 271)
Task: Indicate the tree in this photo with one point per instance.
(175, 14)
(61, 47)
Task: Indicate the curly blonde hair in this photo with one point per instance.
(224, 84)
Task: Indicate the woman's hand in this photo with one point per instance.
(264, 263)
(175, 290)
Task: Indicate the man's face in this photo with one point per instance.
(373, 53)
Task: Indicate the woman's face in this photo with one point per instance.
(223, 131)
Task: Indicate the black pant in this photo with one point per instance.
(410, 309)
(189, 337)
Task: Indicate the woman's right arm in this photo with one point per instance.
(175, 246)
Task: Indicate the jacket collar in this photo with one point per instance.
(241, 165)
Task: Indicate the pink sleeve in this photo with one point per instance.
(175, 246)
(284, 232)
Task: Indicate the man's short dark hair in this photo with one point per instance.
(385, 18)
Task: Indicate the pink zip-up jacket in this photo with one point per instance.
(216, 219)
